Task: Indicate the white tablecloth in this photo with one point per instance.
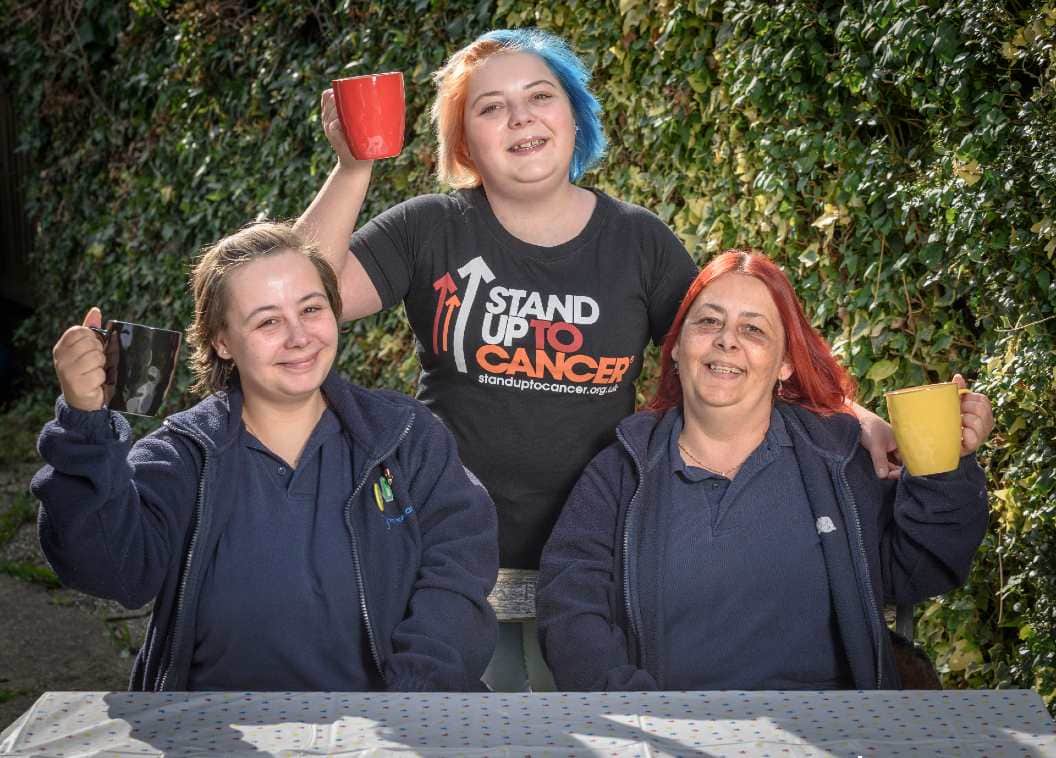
(962, 723)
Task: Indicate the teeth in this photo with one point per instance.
(528, 145)
(724, 369)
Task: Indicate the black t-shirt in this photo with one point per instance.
(529, 354)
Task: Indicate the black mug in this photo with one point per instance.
(140, 366)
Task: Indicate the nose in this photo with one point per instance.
(727, 338)
(296, 335)
(520, 114)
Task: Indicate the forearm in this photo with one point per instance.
(587, 652)
(103, 526)
(937, 525)
(448, 633)
(583, 641)
(331, 218)
(443, 644)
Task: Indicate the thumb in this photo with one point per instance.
(959, 381)
(94, 317)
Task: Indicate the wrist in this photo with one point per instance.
(80, 403)
(97, 424)
(351, 168)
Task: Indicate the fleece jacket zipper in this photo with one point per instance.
(360, 583)
(636, 627)
(181, 592)
(870, 598)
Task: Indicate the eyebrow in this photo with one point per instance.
(255, 311)
(498, 93)
(748, 314)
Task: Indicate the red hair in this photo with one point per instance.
(818, 382)
(454, 165)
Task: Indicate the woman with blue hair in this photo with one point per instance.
(532, 298)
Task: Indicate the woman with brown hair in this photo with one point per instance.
(294, 531)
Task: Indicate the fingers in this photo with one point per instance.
(977, 421)
(80, 364)
(977, 417)
(894, 462)
(86, 372)
(334, 133)
(80, 354)
(878, 439)
(331, 122)
(73, 342)
(879, 462)
(329, 118)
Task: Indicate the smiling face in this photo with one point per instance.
(519, 127)
(731, 350)
(279, 330)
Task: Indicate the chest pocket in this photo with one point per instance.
(396, 510)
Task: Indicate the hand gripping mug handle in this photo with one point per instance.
(111, 366)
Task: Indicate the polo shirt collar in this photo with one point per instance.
(776, 436)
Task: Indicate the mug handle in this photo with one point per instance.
(110, 368)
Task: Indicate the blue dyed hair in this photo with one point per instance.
(454, 165)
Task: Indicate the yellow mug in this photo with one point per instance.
(927, 424)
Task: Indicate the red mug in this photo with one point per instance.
(371, 112)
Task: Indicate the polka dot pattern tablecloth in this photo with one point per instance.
(758, 724)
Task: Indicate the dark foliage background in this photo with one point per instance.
(897, 156)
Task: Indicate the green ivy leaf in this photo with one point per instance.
(882, 370)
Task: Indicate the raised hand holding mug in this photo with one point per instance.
(125, 367)
(371, 114)
(935, 424)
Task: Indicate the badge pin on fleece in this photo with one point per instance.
(382, 492)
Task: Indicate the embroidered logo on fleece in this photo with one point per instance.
(824, 525)
(383, 496)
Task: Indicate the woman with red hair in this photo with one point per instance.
(736, 536)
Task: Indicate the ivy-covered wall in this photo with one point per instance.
(897, 156)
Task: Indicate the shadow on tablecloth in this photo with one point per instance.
(616, 724)
(621, 724)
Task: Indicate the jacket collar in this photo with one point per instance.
(373, 420)
(833, 437)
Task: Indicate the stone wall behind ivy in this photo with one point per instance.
(898, 157)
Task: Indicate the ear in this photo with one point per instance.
(786, 370)
(220, 346)
(674, 352)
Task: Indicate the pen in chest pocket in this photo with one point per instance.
(383, 490)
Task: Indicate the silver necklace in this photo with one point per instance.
(724, 474)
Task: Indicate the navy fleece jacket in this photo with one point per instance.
(882, 541)
(137, 523)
